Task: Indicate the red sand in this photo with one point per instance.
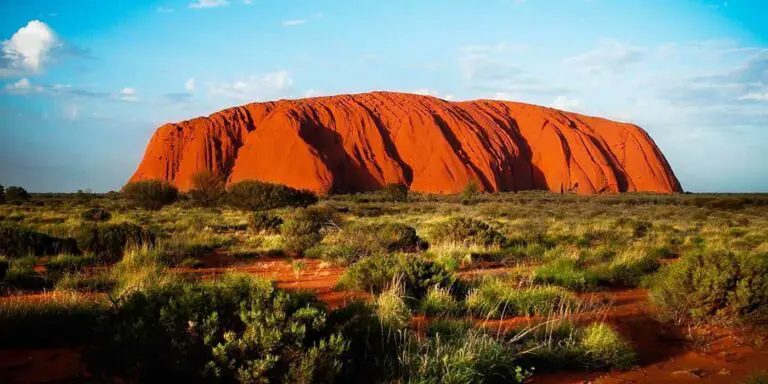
(665, 355)
(351, 143)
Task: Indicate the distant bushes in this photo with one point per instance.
(714, 284)
(239, 329)
(18, 242)
(251, 195)
(150, 194)
(108, 241)
(396, 192)
(96, 214)
(15, 194)
(467, 231)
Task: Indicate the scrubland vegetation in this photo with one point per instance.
(474, 288)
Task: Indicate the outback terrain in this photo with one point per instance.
(262, 283)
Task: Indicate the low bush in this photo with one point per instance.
(709, 285)
(467, 231)
(108, 241)
(370, 274)
(208, 188)
(377, 272)
(14, 194)
(391, 307)
(18, 242)
(150, 194)
(251, 195)
(264, 223)
(396, 192)
(96, 214)
(419, 275)
(81, 282)
(21, 275)
(304, 227)
(238, 329)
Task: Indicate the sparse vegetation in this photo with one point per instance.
(251, 195)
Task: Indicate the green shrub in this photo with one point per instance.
(448, 329)
(108, 241)
(251, 195)
(208, 188)
(714, 284)
(370, 274)
(334, 253)
(304, 227)
(239, 329)
(419, 275)
(150, 194)
(395, 237)
(495, 298)
(467, 231)
(396, 192)
(16, 194)
(2, 194)
(264, 223)
(19, 242)
(96, 214)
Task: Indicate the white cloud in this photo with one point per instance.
(162, 9)
(270, 86)
(312, 93)
(23, 86)
(29, 48)
(754, 96)
(190, 85)
(293, 23)
(247, 2)
(566, 103)
(127, 94)
(208, 3)
(610, 57)
(71, 112)
(434, 93)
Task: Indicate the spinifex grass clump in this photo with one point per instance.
(107, 241)
(375, 274)
(496, 298)
(354, 241)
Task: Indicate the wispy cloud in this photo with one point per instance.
(269, 86)
(162, 9)
(127, 94)
(199, 4)
(611, 57)
(293, 23)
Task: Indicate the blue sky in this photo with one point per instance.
(83, 84)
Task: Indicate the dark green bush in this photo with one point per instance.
(262, 222)
(370, 274)
(251, 195)
(304, 227)
(464, 230)
(396, 192)
(714, 284)
(96, 214)
(15, 194)
(239, 329)
(420, 274)
(4, 266)
(2, 194)
(150, 194)
(208, 189)
(19, 242)
(108, 241)
(398, 237)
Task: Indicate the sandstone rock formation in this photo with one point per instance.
(350, 143)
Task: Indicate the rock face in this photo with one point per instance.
(351, 143)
